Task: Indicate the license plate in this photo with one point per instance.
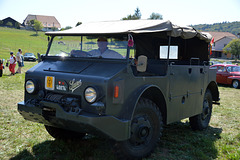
(49, 82)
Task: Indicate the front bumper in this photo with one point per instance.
(52, 114)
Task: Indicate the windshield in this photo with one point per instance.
(89, 46)
(233, 69)
(28, 54)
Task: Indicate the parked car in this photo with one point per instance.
(29, 57)
(228, 74)
(214, 62)
(126, 89)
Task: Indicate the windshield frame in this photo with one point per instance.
(51, 39)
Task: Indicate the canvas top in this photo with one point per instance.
(134, 27)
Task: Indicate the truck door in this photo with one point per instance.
(221, 74)
(178, 89)
(186, 89)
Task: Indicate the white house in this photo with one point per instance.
(221, 39)
(49, 22)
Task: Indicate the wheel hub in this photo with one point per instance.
(141, 129)
(206, 110)
(143, 132)
(235, 84)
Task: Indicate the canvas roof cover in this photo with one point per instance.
(134, 27)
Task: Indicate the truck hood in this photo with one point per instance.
(86, 68)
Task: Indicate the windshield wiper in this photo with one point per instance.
(65, 52)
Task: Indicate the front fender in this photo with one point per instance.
(214, 90)
(234, 77)
(231, 78)
(132, 100)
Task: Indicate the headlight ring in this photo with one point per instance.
(30, 86)
(90, 94)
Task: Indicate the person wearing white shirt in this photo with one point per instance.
(103, 50)
(19, 60)
(12, 63)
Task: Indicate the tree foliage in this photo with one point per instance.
(233, 47)
(37, 25)
(136, 15)
(232, 27)
(156, 16)
(54, 28)
(17, 25)
(31, 22)
(9, 24)
(79, 23)
(66, 28)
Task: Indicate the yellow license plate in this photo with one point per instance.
(49, 82)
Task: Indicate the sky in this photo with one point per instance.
(69, 12)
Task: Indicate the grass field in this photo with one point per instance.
(21, 139)
(25, 140)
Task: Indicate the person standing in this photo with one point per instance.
(19, 60)
(12, 63)
(1, 67)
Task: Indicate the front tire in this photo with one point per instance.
(146, 130)
(60, 133)
(201, 121)
(236, 84)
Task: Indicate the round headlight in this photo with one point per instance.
(30, 87)
(90, 95)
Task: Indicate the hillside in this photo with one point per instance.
(12, 39)
(232, 27)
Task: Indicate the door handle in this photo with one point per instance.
(189, 70)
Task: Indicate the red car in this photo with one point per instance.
(228, 74)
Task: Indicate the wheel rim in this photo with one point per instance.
(235, 84)
(206, 109)
(141, 133)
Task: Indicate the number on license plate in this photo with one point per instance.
(49, 82)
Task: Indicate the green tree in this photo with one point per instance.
(1, 22)
(156, 16)
(233, 47)
(79, 23)
(31, 22)
(17, 25)
(232, 27)
(37, 25)
(67, 27)
(9, 24)
(54, 28)
(136, 15)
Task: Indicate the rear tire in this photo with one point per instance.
(146, 130)
(201, 121)
(236, 84)
(60, 133)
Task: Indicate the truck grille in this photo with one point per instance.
(68, 103)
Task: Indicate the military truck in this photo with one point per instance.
(123, 80)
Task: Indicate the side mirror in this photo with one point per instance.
(142, 64)
(39, 58)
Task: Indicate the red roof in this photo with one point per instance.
(219, 35)
(47, 21)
